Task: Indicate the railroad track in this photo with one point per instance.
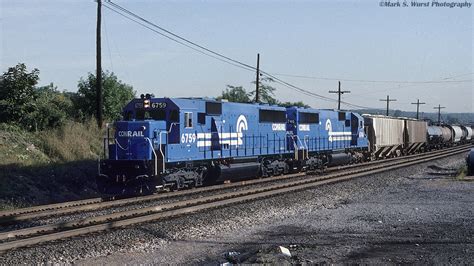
(41, 211)
(44, 233)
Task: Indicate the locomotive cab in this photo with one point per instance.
(134, 148)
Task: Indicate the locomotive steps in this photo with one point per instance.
(39, 234)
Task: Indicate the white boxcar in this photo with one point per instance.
(385, 135)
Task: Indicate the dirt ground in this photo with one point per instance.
(420, 214)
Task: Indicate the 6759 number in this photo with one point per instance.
(188, 138)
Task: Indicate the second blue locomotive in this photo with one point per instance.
(174, 143)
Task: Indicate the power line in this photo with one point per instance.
(177, 36)
(170, 38)
(380, 81)
(214, 55)
(208, 52)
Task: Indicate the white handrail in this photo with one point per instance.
(161, 150)
(154, 153)
(120, 146)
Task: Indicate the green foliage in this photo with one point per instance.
(116, 95)
(52, 108)
(32, 108)
(297, 104)
(266, 91)
(17, 94)
(235, 94)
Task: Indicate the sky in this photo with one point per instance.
(358, 42)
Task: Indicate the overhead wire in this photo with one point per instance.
(218, 56)
(183, 41)
(172, 39)
(378, 81)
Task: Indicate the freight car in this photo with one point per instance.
(457, 134)
(435, 137)
(385, 135)
(176, 143)
(467, 133)
(415, 135)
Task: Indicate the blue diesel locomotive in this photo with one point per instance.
(176, 143)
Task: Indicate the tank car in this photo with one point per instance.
(457, 134)
(435, 137)
(447, 136)
(467, 132)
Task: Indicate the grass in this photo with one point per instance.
(74, 141)
(48, 166)
(463, 174)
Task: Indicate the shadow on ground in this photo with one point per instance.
(47, 183)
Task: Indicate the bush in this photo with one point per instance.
(72, 141)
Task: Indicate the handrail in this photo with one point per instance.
(120, 146)
(161, 150)
(305, 141)
(154, 153)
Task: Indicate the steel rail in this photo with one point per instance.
(172, 209)
(98, 203)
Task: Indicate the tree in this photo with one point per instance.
(266, 91)
(116, 95)
(297, 104)
(51, 108)
(235, 94)
(17, 93)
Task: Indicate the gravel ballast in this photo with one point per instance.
(419, 214)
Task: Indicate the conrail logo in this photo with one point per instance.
(130, 133)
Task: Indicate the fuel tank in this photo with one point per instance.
(238, 171)
(339, 159)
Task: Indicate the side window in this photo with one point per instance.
(342, 116)
(128, 116)
(188, 119)
(174, 116)
(202, 118)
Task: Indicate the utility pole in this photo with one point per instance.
(339, 92)
(417, 107)
(257, 81)
(388, 100)
(439, 113)
(99, 66)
